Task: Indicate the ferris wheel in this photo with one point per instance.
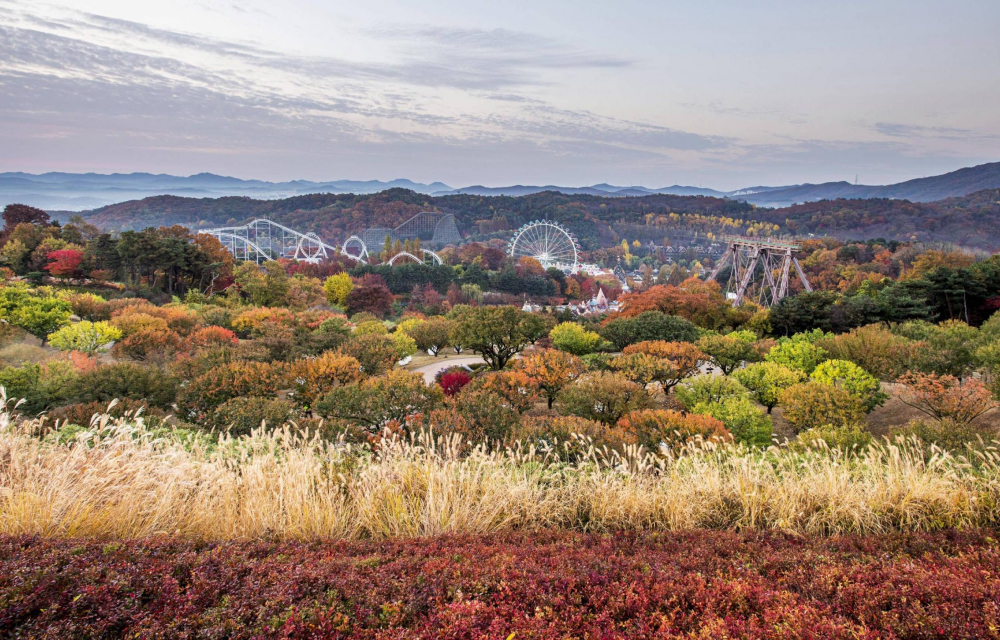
(548, 242)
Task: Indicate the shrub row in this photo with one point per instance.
(541, 585)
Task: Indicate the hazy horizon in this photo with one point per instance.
(719, 95)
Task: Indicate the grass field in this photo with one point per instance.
(121, 481)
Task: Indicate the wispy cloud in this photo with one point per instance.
(82, 65)
(898, 130)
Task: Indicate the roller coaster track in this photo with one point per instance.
(261, 240)
(409, 256)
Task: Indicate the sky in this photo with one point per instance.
(712, 93)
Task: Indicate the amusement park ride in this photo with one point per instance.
(260, 240)
(760, 269)
(548, 242)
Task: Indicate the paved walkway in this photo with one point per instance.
(432, 369)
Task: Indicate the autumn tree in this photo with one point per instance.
(551, 370)
(946, 398)
(852, 378)
(813, 404)
(496, 333)
(86, 337)
(571, 337)
(741, 417)
(479, 416)
(728, 352)
(875, 349)
(378, 401)
(235, 379)
(699, 302)
(603, 396)
(65, 263)
(315, 377)
(432, 335)
(653, 428)
(667, 363)
(15, 214)
(37, 312)
(377, 354)
(708, 388)
(517, 390)
(452, 380)
(213, 337)
(798, 352)
(766, 379)
(264, 285)
(370, 295)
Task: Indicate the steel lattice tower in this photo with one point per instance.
(760, 269)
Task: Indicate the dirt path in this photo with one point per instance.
(432, 369)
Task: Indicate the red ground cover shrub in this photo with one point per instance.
(543, 585)
(453, 380)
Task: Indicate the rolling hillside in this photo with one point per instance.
(972, 221)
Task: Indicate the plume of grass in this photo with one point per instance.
(118, 479)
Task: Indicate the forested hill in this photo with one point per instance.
(334, 216)
(954, 184)
(972, 221)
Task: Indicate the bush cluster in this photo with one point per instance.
(529, 584)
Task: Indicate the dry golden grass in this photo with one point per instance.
(119, 481)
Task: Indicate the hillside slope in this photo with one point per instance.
(972, 221)
(949, 185)
(334, 216)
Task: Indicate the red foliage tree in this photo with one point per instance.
(370, 294)
(64, 263)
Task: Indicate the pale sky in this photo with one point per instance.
(715, 93)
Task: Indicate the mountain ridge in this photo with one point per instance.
(971, 221)
(81, 191)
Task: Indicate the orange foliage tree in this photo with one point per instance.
(946, 397)
(235, 379)
(315, 377)
(518, 390)
(132, 322)
(179, 319)
(651, 427)
(672, 361)
(550, 370)
(252, 321)
(700, 302)
(213, 336)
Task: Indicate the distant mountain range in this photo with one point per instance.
(80, 191)
(950, 185)
(605, 190)
(77, 192)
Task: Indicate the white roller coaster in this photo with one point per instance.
(548, 242)
(262, 239)
(428, 254)
(354, 242)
